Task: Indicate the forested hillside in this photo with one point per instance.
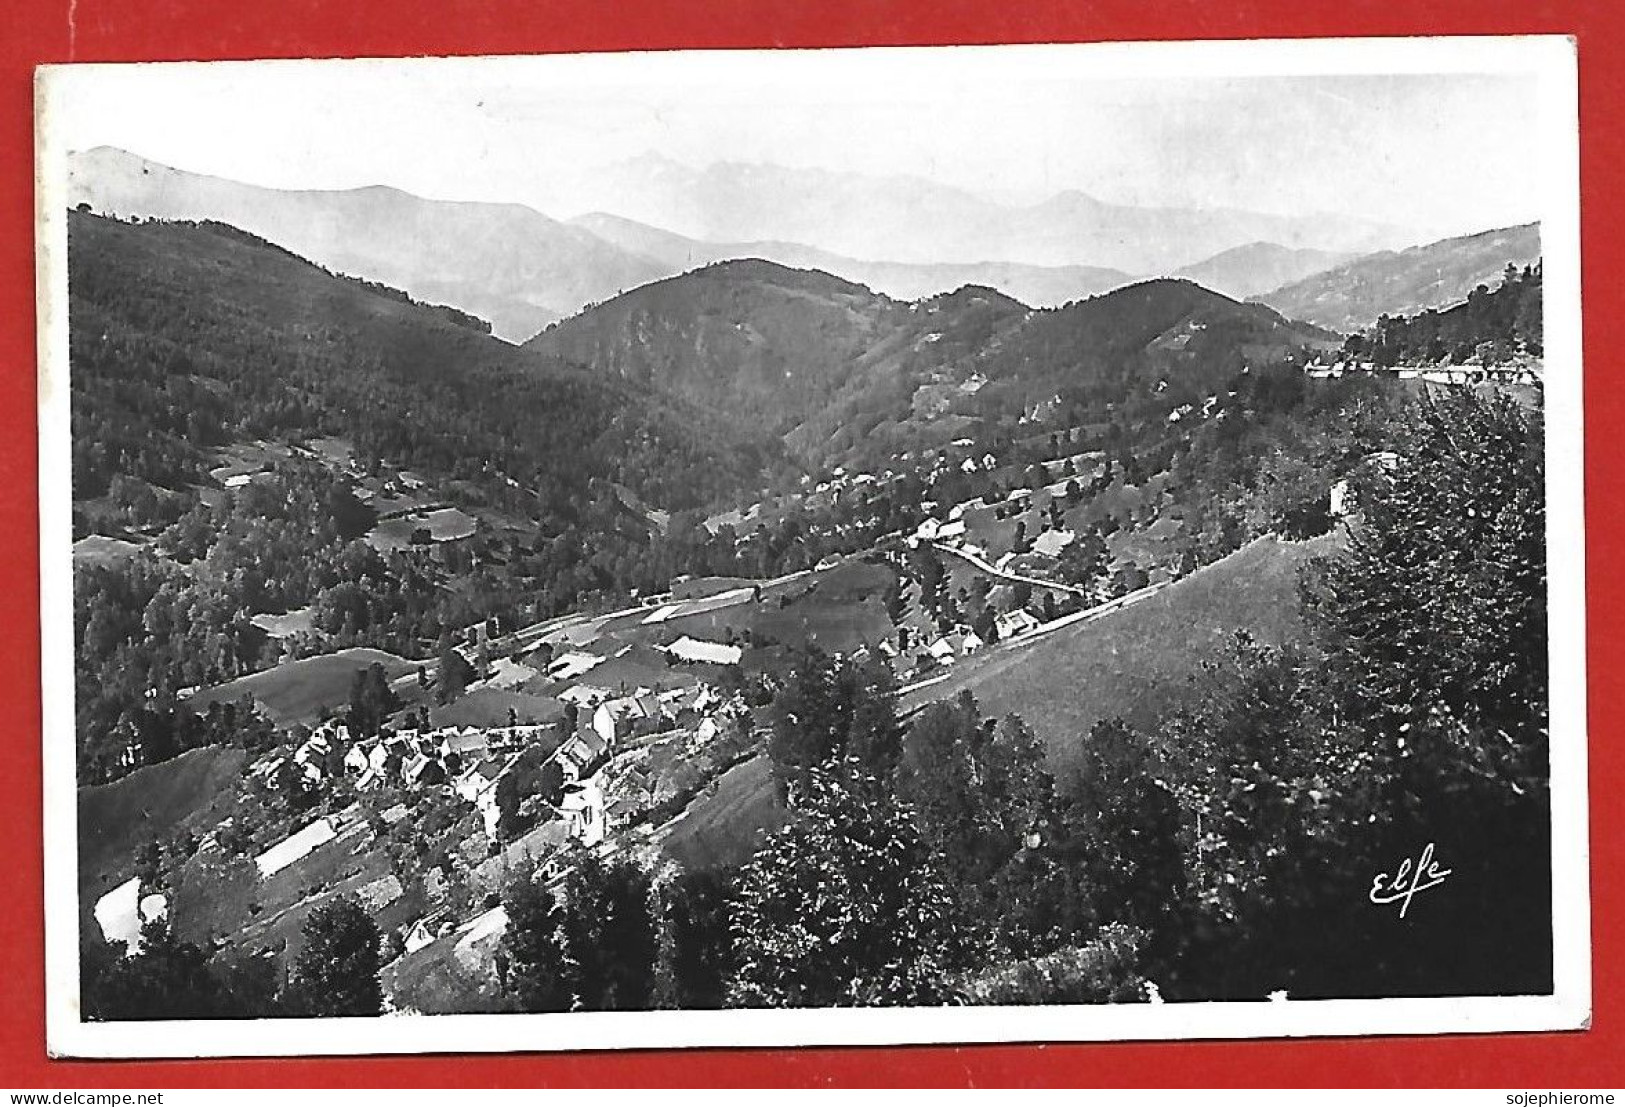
(190, 340)
(189, 336)
(508, 263)
(1165, 328)
(760, 342)
(1490, 327)
(1186, 796)
(850, 377)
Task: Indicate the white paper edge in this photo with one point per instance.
(1569, 1007)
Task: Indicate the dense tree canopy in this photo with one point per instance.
(336, 971)
(845, 906)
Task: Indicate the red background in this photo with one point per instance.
(122, 30)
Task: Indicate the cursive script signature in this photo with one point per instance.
(1407, 881)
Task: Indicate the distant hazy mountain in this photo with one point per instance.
(503, 262)
(1351, 296)
(906, 219)
(1259, 267)
(1037, 285)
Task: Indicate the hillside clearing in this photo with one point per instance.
(302, 691)
(151, 803)
(729, 821)
(1136, 663)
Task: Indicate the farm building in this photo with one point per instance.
(698, 650)
(573, 664)
(1052, 542)
(295, 847)
(1012, 623)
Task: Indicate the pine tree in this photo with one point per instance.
(1436, 613)
(540, 973)
(609, 931)
(666, 992)
(832, 710)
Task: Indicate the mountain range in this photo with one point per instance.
(506, 263)
(909, 219)
(842, 372)
(521, 270)
(1038, 285)
(1352, 296)
(214, 335)
(1259, 267)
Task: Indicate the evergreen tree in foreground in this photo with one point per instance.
(534, 960)
(844, 906)
(336, 973)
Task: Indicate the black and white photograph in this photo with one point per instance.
(865, 546)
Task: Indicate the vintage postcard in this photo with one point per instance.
(1039, 543)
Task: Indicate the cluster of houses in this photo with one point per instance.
(698, 651)
(1519, 372)
(963, 641)
(497, 770)
(952, 532)
(315, 760)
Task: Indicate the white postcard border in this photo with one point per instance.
(1552, 58)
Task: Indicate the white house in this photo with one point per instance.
(1339, 498)
(356, 758)
(583, 808)
(618, 717)
(424, 931)
(477, 778)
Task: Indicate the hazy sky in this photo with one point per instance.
(1444, 152)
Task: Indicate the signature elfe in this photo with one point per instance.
(1407, 881)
